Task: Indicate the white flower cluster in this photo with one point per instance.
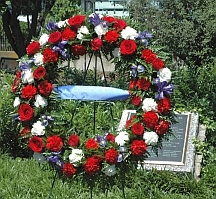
(38, 128)
(129, 33)
(151, 138)
(149, 104)
(83, 30)
(164, 74)
(76, 156)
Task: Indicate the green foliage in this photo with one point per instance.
(185, 29)
(9, 138)
(63, 9)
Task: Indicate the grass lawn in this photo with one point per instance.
(25, 179)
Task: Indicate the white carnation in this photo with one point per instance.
(43, 39)
(40, 101)
(164, 74)
(38, 128)
(83, 30)
(151, 138)
(79, 36)
(62, 24)
(76, 156)
(101, 30)
(129, 33)
(149, 104)
(16, 102)
(38, 59)
(121, 138)
(27, 76)
(110, 171)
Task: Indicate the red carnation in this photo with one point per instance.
(136, 100)
(91, 144)
(163, 127)
(36, 144)
(109, 19)
(29, 92)
(138, 147)
(92, 165)
(76, 21)
(25, 132)
(55, 37)
(137, 128)
(39, 73)
(157, 64)
(128, 47)
(45, 87)
(111, 156)
(111, 36)
(132, 84)
(110, 137)
(50, 56)
(69, 170)
(79, 49)
(148, 56)
(16, 81)
(54, 143)
(68, 34)
(33, 47)
(96, 43)
(150, 119)
(74, 140)
(143, 84)
(119, 25)
(164, 105)
(26, 112)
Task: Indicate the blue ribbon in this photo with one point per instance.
(60, 48)
(163, 88)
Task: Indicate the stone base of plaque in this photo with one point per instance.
(199, 157)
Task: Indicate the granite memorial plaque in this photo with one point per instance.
(178, 153)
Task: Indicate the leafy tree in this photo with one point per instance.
(18, 35)
(186, 28)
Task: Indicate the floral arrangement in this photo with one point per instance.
(149, 88)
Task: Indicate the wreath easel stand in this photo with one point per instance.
(97, 55)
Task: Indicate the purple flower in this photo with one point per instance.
(51, 26)
(95, 19)
(136, 69)
(143, 36)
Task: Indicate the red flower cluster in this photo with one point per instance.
(91, 144)
(111, 156)
(45, 88)
(150, 119)
(54, 143)
(29, 91)
(164, 105)
(69, 170)
(111, 36)
(33, 48)
(151, 58)
(68, 34)
(96, 43)
(92, 165)
(137, 129)
(55, 37)
(138, 147)
(79, 49)
(128, 47)
(76, 21)
(39, 73)
(36, 144)
(50, 56)
(74, 140)
(26, 112)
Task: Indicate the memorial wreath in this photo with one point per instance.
(149, 93)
